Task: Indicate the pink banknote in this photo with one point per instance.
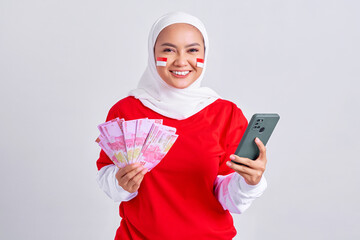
(143, 127)
(135, 134)
(159, 141)
(129, 128)
(157, 149)
(106, 146)
(142, 140)
(111, 130)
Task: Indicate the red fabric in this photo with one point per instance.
(176, 199)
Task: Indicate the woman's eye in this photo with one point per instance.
(167, 50)
(193, 50)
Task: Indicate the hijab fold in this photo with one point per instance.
(159, 96)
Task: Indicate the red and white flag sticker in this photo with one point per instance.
(160, 61)
(200, 62)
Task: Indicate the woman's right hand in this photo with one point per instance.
(131, 176)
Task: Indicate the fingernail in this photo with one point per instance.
(228, 163)
(257, 139)
(232, 157)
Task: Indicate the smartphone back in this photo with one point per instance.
(261, 125)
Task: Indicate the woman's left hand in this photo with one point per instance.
(253, 170)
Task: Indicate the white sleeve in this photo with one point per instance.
(109, 184)
(235, 194)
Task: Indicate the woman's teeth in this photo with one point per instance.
(182, 73)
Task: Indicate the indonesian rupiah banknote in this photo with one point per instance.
(142, 140)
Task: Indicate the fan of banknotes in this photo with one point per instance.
(142, 140)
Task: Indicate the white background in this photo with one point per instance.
(63, 64)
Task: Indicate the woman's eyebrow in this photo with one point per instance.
(174, 46)
(193, 44)
(169, 45)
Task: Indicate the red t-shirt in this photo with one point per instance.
(176, 199)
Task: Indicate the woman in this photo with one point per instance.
(190, 193)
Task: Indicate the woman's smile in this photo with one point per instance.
(180, 73)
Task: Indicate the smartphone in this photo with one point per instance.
(261, 125)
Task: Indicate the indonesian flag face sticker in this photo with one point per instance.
(160, 61)
(200, 62)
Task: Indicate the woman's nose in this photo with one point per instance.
(181, 60)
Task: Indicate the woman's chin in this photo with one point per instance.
(180, 85)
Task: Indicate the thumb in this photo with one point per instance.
(262, 148)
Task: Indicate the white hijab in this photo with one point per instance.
(159, 96)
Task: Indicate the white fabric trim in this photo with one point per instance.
(234, 194)
(110, 185)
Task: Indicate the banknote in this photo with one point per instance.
(157, 148)
(142, 140)
(158, 121)
(143, 127)
(104, 144)
(150, 137)
(111, 130)
(129, 128)
(134, 142)
(157, 144)
(101, 126)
